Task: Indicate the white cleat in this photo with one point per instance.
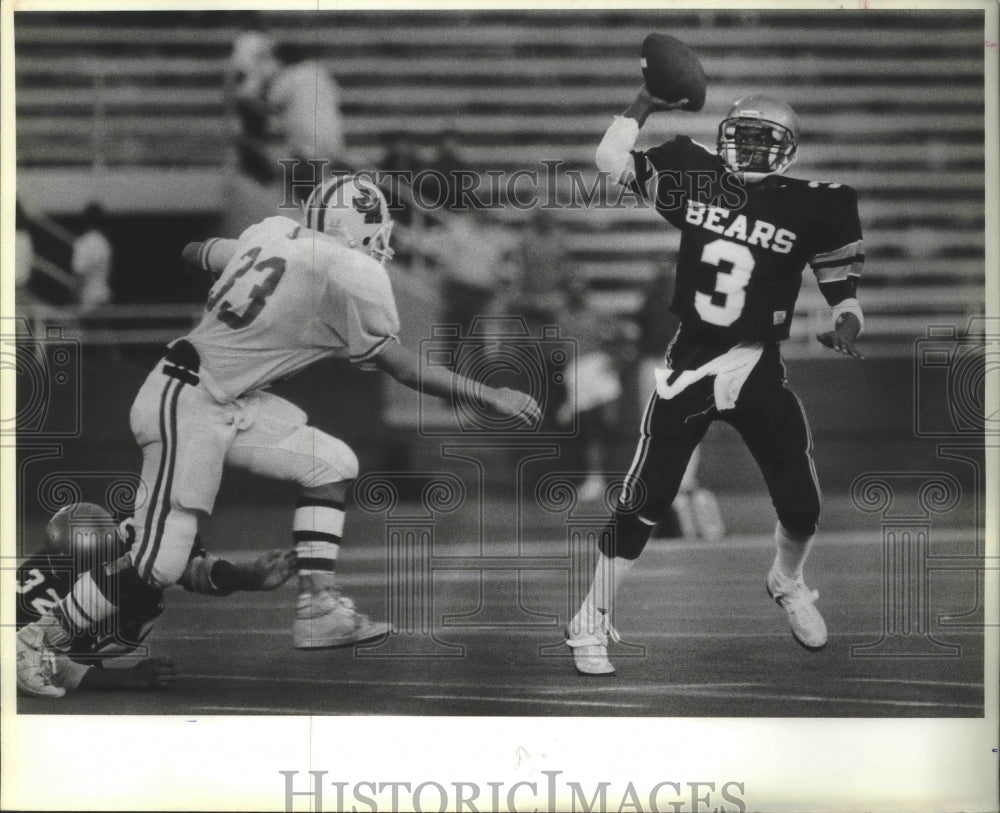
(327, 619)
(588, 638)
(799, 602)
(35, 663)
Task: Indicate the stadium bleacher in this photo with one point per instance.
(890, 102)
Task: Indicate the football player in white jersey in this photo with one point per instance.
(286, 295)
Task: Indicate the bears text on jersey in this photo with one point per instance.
(746, 230)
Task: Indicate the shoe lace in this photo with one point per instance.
(800, 597)
(344, 601)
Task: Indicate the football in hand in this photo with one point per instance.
(672, 72)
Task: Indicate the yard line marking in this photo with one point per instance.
(546, 700)
(679, 690)
(260, 709)
(906, 682)
(638, 635)
(805, 698)
(544, 546)
(562, 689)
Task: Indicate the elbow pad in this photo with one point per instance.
(190, 255)
(614, 152)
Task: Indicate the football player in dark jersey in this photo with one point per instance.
(747, 233)
(82, 536)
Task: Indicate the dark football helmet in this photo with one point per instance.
(85, 533)
(759, 137)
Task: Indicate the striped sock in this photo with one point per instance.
(317, 530)
(82, 608)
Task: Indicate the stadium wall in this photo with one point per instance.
(861, 416)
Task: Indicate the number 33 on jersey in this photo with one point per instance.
(286, 298)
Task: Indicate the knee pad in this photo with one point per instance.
(160, 560)
(628, 539)
(335, 461)
(799, 524)
(646, 497)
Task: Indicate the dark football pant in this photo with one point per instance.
(769, 418)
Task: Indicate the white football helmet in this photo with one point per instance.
(353, 211)
(759, 137)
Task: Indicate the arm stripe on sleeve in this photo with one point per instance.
(844, 253)
(846, 261)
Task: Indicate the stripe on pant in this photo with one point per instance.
(809, 447)
(147, 526)
(160, 498)
(168, 481)
(642, 450)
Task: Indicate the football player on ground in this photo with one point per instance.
(747, 233)
(287, 295)
(83, 535)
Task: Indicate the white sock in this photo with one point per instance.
(791, 552)
(608, 577)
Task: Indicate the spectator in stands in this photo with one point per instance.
(24, 256)
(305, 104)
(592, 383)
(443, 185)
(474, 260)
(288, 107)
(252, 67)
(539, 291)
(92, 260)
(401, 162)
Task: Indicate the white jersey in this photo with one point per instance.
(287, 298)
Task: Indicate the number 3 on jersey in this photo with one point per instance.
(735, 264)
(249, 300)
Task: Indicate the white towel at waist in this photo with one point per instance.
(731, 371)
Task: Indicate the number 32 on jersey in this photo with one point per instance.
(735, 263)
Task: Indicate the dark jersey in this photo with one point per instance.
(43, 580)
(744, 246)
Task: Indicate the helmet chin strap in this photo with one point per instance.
(757, 177)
